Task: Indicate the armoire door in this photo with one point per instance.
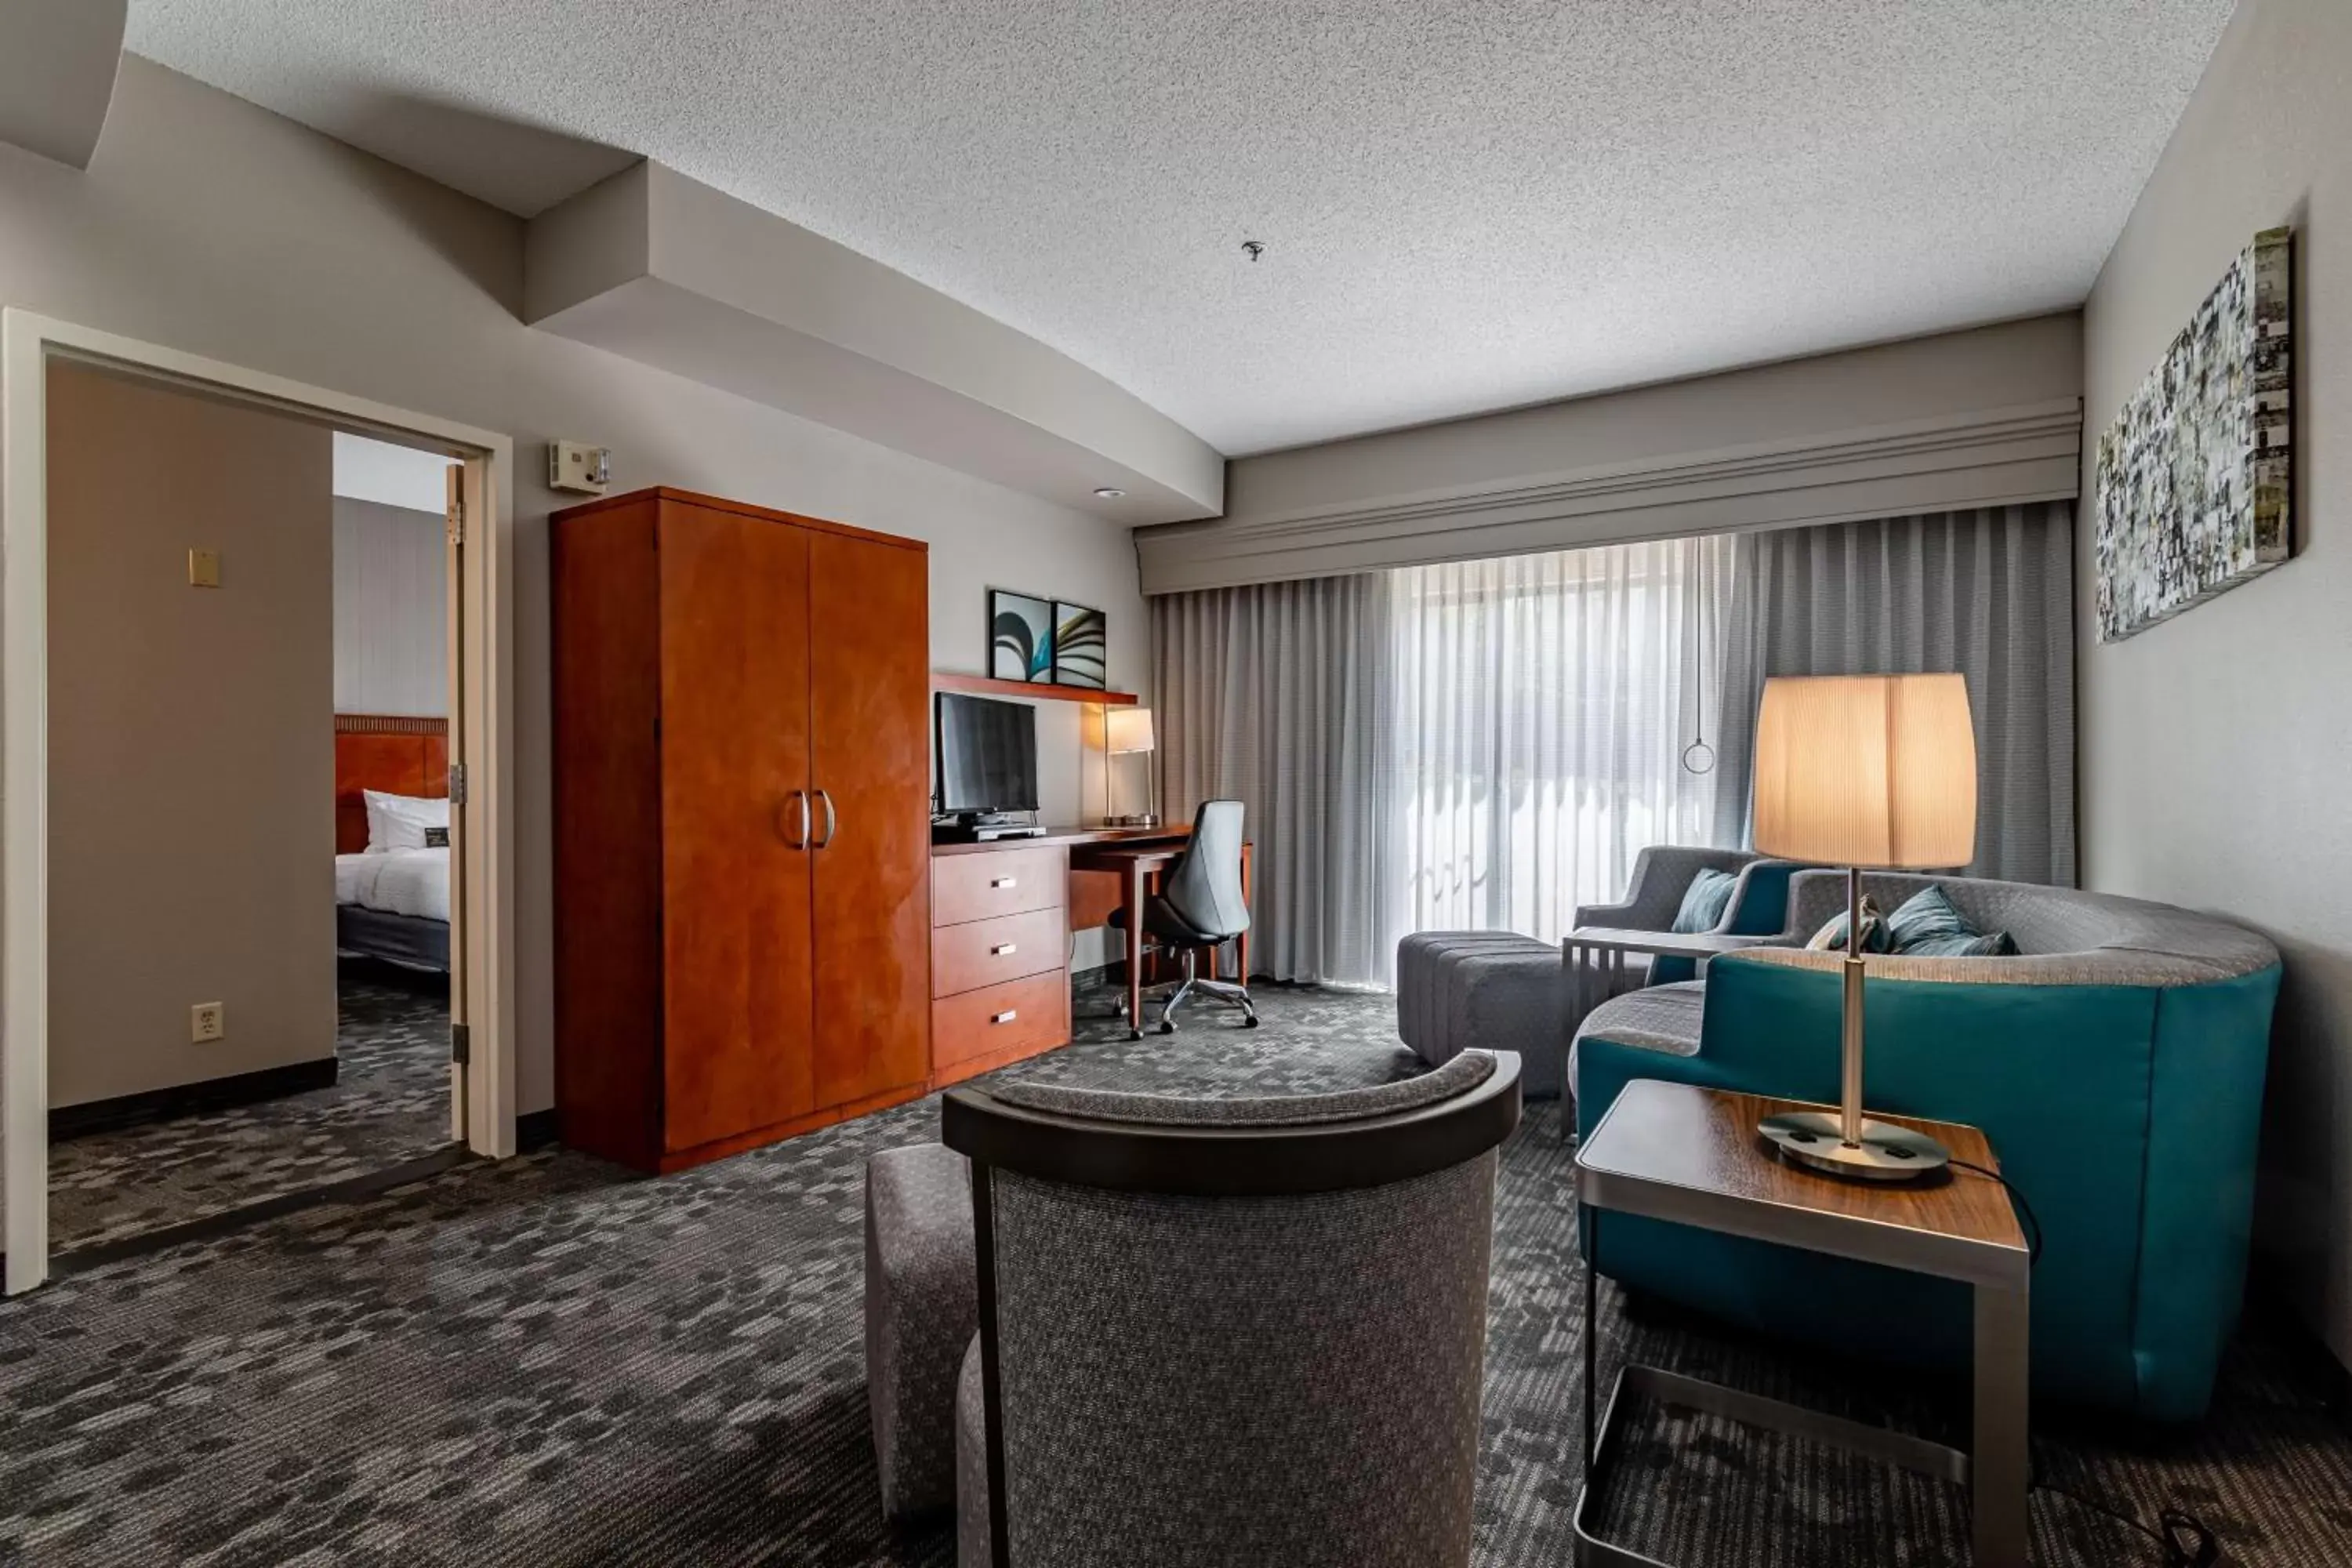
(735, 823)
(869, 695)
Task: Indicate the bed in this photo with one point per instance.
(391, 905)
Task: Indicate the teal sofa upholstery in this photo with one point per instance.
(2116, 1066)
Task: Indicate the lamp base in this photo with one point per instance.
(1138, 819)
(1887, 1153)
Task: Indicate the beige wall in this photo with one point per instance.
(192, 828)
(2216, 746)
(1988, 416)
(218, 228)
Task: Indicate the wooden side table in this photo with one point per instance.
(1690, 1156)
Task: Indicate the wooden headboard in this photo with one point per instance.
(380, 752)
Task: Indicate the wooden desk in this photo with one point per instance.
(1001, 913)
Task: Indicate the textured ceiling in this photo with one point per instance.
(1465, 205)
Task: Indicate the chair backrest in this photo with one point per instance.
(1205, 886)
(1255, 1323)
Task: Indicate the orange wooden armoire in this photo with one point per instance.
(742, 827)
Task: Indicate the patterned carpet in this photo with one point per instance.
(545, 1362)
(389, 1104)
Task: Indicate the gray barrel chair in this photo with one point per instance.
(1238, 1331)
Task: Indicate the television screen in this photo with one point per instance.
(988, 755)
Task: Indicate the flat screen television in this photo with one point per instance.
(988, 755)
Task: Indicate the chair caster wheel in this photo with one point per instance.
(1249, 1020)
(1166, 1027)
(1135, 1034)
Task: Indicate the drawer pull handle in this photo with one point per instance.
(1005, 882)
(1001, 948)
(1006, 1017)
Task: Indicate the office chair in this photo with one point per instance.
(1200, 905)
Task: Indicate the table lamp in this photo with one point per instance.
(1863, 771)
(1126, 732)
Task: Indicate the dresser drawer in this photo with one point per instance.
(1016, 1016)
(992, 882)
(986, 953)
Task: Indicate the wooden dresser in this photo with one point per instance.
(1000, 954)
(742, 824)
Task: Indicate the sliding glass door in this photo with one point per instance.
(1546, 711)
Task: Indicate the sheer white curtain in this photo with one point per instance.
(1544, 707)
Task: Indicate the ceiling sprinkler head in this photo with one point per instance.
(1253, 248)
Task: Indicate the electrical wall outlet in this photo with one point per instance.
(207, 1021)
(203, 568)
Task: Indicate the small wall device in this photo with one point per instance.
(581, 469)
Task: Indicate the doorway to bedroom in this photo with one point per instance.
(253, 701)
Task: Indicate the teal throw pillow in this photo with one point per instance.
(1966, 944)
(1927, 915)
(1705, 901)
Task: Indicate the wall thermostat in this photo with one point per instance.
(572, 466)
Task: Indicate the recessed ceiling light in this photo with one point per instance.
(1107, 493)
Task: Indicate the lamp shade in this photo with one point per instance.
(1868, 770)
(1129, 730)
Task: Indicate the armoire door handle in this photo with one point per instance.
(832, 819)
(796, 837)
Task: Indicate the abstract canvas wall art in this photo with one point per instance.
(2195, 476)
(1081, 647)
(1020, 637)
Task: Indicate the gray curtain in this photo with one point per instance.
(1990, 593)
(1279, 696)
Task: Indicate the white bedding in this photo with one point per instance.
(398, 881)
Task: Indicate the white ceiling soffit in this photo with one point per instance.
(664, 270)
(57, 59)
(1465, 206)
(394, 476)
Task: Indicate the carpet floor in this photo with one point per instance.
(547, 1362)
(389, 1104)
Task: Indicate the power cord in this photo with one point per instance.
(2024, 1209)
(2183, 1538)
(2181, 1535)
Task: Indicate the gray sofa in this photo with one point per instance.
(2116, 1065)
(1497, 991)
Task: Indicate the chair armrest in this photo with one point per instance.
(1760, 900)
(1662, 875)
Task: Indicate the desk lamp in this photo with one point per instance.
(1128, 731)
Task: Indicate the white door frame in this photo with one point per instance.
(27, 342)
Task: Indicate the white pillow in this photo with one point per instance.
(399, 821)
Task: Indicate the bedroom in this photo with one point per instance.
(251, 915)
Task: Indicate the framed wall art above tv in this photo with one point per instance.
(1081, 647)
(1020, 636)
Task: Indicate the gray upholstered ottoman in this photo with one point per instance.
(1491, 991)
(922, 1307)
